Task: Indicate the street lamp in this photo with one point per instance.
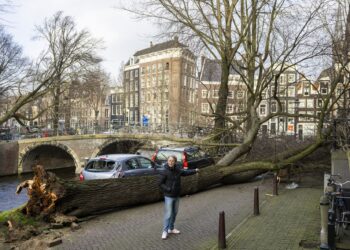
(296, 112)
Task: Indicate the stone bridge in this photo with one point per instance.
(72, 151)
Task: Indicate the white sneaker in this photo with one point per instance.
(174, 231)
(164, 235)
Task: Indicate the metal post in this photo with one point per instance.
(331, 229)
(334, 144)
(324, 204)
(222, 234)
(256, 201)
(275, 184)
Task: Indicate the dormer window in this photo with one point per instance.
(306, 91)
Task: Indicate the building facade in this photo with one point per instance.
(166, 97)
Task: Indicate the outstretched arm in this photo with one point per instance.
(186, 172)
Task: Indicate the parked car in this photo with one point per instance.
(117, 166)
(190, 157)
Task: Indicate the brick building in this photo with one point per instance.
(166, 96)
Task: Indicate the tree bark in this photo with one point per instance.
(49, 195)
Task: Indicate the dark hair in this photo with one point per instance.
(172, 156)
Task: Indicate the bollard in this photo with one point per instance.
(275, 184)
(324, 204)
(331, 229)
(222, 234)
(256, 201)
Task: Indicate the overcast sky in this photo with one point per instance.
(121, 33)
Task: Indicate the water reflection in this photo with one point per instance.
(8, 197)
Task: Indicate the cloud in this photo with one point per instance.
(121, 34)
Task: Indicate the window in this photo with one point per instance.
(145, 163)
(230, 95)
(166, 66)
(127, 75)
(114, 110)
(324, 91)
(262, 109)
(204, 93)
(310, 103)
(131, 75)
(114, 98)
(205, 107)
(319, 103)
(132, 100)
(274, 107)
(119, 97)
(215, 93)
(291, 91)
(154, 67)
(239, 94)
(291, 78)
(106, 113)
(229, 108)
(339, 91)
(160, 67)
(119, 109)
(307, 89)
(100, 166)
(136, 86)
(143, 70)
(136, 100)
(132, 164)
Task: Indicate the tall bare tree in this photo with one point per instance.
(94, 89)
(18, 79)
(260, 38)
(68, 52)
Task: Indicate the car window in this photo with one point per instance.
(145, 163)
(132, 164)
(192, 155)
(100, 166)
(163, 155)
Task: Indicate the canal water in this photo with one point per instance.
(8, 197)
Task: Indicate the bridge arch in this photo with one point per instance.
(118, 146)
(51, 155)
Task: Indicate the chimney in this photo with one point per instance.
(151, 44)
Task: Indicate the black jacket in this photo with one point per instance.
(170, 180)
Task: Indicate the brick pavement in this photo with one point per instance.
(140, 227)
(288, 221)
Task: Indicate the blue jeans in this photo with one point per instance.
(170, 212)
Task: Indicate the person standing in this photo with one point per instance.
(170, 184)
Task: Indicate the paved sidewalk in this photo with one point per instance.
(290, 220)
(141, 227)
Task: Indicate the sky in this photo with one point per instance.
(122, 35)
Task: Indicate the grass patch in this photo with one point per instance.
(16, 215)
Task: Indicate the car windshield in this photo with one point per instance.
(100, 166)
(164, 154)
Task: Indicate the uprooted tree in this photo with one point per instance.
(272, 41)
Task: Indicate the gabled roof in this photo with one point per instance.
(161, 46)
(211, 70)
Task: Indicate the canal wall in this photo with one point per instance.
(8, 158)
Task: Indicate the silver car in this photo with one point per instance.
(118, 166)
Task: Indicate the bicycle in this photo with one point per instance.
(339, 209)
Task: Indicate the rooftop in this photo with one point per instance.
(161, 46)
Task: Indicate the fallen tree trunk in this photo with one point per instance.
(49, 195)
